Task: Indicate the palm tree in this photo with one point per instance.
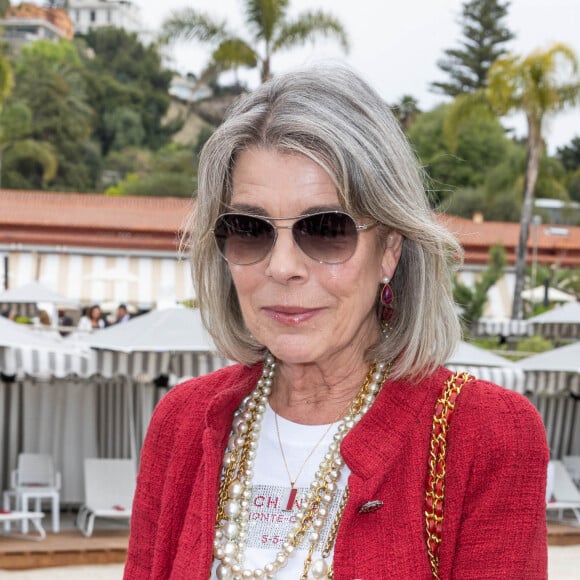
(270, 32)
(540, 84)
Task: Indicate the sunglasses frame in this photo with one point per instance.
(358, 228)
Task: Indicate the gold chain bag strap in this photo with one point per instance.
(435, 490)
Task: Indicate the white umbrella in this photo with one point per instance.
(33, 293)
(168, 330)
(553, 371)
(168, 341)
(14, 334)
(39, 353)
(486, 365)
(567, 314)
(538, 294)
(560, 322)
(467, 354)
(565, 359)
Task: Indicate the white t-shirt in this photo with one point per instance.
(270, 520)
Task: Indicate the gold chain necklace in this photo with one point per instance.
(293, 490)
(235, 493)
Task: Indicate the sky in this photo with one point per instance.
(395, 45)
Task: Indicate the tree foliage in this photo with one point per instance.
(270, 30)
(127, 88)
(50, 83)
(472, 300)
(484, 40)
(167, 172)
(4, 5)
(569, 155)
(481, 146)
(406, 110)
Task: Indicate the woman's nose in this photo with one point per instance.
(286, 261)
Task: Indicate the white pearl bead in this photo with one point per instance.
(232, 508)
(230, 549)
(223, 572)
(269, 568)
(235, 489)
(319, 569)
(231, 529)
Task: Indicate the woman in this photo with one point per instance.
(320, 269)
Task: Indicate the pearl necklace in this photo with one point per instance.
(236, 485)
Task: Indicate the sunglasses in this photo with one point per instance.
(328, 237)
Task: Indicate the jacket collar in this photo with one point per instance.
(375, 443)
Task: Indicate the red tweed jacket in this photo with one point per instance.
(494, 524)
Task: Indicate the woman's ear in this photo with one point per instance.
(392, 254)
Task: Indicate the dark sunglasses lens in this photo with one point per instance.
(243, 239)
(327, 237)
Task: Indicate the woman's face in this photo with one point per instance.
(301, 310)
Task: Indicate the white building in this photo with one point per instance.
(89, 14)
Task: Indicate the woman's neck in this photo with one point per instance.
(315, 394)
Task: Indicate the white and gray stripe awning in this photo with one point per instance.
(552, 382)
(148, 365)
(145, 366)
(508, 377)
(556, 330)
(95, 276)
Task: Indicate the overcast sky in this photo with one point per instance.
(396, 44)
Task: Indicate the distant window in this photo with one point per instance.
(93, 15)
(77, 16)
(109, 16)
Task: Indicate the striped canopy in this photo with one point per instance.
(487, 366)
(553, 371)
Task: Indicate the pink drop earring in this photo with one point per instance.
(387, 297)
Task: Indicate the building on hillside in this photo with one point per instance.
(90, 14)
(95, 248)
(28, 23)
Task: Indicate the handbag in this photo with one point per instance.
(435, 489)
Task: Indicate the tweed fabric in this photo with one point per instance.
(495, 525)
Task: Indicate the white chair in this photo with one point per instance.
(564, 494)
(7, 518)
(109, 490)
(34, 478)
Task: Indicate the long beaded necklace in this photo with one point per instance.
(236, 485)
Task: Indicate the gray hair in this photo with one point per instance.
(332, 116)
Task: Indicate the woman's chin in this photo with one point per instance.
(296, 351)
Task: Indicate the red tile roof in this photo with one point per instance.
(154, 223)
(91, 220)
(555, 244)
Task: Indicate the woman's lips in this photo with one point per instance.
(290, 316)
